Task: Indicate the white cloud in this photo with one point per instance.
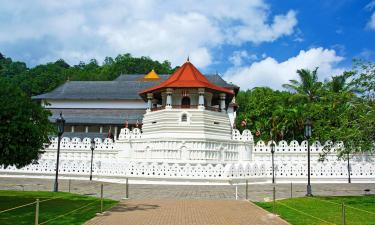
(80, 30)
(371, 23)
(269, 72)
(239, 57)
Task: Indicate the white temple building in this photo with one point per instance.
(187, 134)
(183, 124)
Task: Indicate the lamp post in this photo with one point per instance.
(60, 122)
(92, 156)
(348, 159)
(308, 126)
(273, 164)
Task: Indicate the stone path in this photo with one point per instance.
(184, 204)
(256, 192)
(185, 212)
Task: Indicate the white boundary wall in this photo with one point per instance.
(290, 163)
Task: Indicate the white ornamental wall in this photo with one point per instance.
(297, 153)
(133, 146)
(290, 161)
(114, 168)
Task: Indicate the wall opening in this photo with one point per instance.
(185, 102)
(184, 118)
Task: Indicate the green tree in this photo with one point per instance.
(364, 81)
(343, 114)
(8, 68)
(268, 112)
(46, 77)
(24, 126)
(308, 85)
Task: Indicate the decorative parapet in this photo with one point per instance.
(295, 147)
(126, 134)
(85, 144)
(116, 168)
(245, 136)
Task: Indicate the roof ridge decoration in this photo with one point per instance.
(187, 76)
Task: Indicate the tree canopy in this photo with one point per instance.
(46, 77)
(24, 126)
(341, 109)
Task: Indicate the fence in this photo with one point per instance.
(319, 209)
(37, 203)
(277, 195)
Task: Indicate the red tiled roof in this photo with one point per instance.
(187, 76)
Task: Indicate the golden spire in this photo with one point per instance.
(151, 75)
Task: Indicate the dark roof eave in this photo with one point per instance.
(61, 92)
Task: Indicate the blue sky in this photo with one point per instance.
(250, 42)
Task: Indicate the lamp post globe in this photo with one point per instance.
(92, 147)
(307, 133)
(60, 123)
(307, 125)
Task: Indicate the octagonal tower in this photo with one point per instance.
(187, 105)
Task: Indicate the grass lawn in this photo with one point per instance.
(325, 210)
(64, 203)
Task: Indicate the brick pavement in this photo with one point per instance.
(256, 192)
(184, 204)
(185, 212)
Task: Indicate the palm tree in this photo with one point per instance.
(340, 84)
(308, 85)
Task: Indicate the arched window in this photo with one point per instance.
(184, 118)
(185, 102)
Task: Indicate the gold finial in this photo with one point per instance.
(151, 75)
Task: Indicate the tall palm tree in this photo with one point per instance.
(340, 84)
(307, 86)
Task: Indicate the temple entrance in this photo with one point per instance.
(185, 102)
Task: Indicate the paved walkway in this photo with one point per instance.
(185, 212)
(184, 204)
(256, 192)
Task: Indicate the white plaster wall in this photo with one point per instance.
(231, 115)
(200, 124)
(290, 163)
